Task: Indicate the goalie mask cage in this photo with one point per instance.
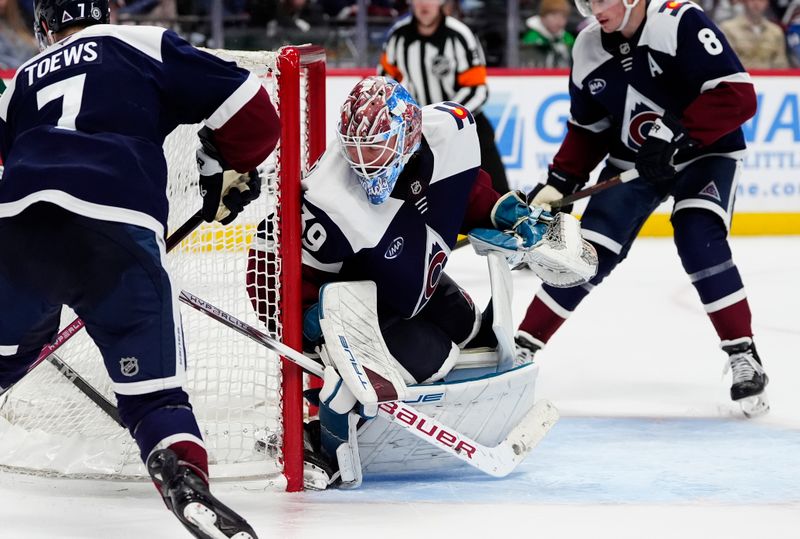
(247, 401)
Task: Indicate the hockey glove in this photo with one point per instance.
(512, 214)
(558, 185)
(543, 194)
(336, 396)
(518, 229)
(225, 193)
(654, 160)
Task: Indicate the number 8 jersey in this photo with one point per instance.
(677, 61)
(82, 124)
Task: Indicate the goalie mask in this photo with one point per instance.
(52, 16)
(380, 128)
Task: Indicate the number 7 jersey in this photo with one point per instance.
(83, 123)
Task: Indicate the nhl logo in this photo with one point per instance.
(129, 366)
(625, 48)
(441, 66)
(416, 187)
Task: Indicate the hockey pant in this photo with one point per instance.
(427, 345)
(112, 275)
(704, 195)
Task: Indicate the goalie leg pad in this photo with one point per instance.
(485, 409)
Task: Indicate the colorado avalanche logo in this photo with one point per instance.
(436, 261)
(639, 127)
(435, 258)
(639, 114)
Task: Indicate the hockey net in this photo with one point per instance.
(243, 395)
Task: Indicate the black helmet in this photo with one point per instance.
(51, 16)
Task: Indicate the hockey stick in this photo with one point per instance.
(625, 177)
(497, 461)
(48, 350)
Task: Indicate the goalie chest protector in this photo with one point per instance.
(404, 243)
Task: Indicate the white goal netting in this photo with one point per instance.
(48, 426)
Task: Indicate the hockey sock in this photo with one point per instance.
(701, 239)
(164, 419)
(544, 315)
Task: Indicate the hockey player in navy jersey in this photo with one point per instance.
(656, 87)
(83, 213)
(385, 204)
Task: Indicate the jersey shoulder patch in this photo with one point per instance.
(588, 54)
(660, 32)
(449, 129)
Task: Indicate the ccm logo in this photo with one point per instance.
(444, 437)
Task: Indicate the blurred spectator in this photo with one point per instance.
(344, 9)
(292, 16)
(438, 58)
(759, 43)
(791, 21)
(546, 43)
(17, 43)
(156, 12)
(721, 10)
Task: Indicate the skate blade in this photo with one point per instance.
(754, 406)
(205, 520)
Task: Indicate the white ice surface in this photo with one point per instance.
(648, 445)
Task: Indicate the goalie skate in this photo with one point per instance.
(188, 497)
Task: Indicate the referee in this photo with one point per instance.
(437, 58)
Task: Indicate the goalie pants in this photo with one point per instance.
(704, 195)
(111, 274)
(424, 343)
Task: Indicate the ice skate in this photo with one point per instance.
(527, 346)
(749, 377)
(187, 495)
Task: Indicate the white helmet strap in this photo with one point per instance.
(629, 5)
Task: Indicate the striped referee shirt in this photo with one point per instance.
(446, 66)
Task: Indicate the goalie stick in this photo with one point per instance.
(48, 350)
(497, 461)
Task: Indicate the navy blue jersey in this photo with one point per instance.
(83, 123)
(677, 61)
(404, 243)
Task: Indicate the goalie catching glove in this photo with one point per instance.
(517, 229)
(225, 192)
(551, 246)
